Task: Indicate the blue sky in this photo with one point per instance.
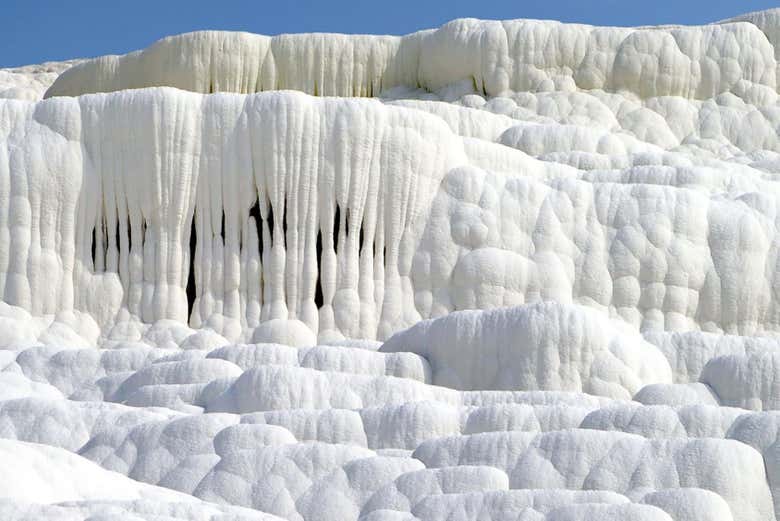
(36, 31)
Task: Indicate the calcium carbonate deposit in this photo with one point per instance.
(514, 270)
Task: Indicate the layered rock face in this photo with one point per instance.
(495, 270)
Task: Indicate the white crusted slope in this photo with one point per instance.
(544, 346)
(497, 56)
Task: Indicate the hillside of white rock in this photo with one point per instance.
(498, 270)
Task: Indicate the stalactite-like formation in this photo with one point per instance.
(216, 206)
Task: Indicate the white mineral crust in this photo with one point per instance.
(498, 270)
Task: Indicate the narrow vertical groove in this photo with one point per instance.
(318, 299)
(336, 227)
(270, 222)
(191, 289)
(93, 247)
(254, 213)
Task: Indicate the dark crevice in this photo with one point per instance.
(222, 227)
(271, 222)
(94, 246)
(191, 275)
(255, 213)
(318, 300)
(360, 238)
(336, 227)
(284, 226)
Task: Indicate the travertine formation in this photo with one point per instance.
(496, 270)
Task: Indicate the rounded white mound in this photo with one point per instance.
(288, 332)
(544, 346)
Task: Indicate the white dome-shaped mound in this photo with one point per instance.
(544, 346)
(288, 332)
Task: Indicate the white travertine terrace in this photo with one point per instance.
(496, 56)
(496, 270)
